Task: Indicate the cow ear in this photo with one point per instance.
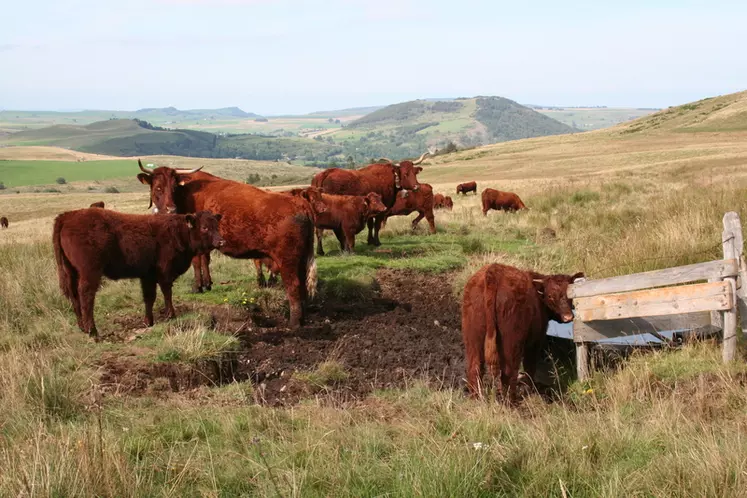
(144, 179)
(218, 217)
(191, 220)
(183, 181)
(418, 169)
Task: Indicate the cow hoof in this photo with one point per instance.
(209, 287)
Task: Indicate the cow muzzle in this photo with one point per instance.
(567, 317)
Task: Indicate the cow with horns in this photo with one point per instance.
(385, 178)
(255, 224)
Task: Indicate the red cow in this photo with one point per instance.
(463, 188)
(99, 204)
(256, 224)
(442, 202)
(91, 243)
(4, 222)
(347, 216)
(505, 313)
(420, 200)
(505, 201)
(385, 178)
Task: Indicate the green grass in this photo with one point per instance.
(22, 173)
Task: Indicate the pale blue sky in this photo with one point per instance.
(294, 56)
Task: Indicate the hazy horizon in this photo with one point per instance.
(280, 57)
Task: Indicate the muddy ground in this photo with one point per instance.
(409, 331)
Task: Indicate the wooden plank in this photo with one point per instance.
(583, 366)
(716, 319)
(732, 244)
(699, 323)
(657, 278)
(742, 294)
(654, 302)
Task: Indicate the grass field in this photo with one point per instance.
(130, 417)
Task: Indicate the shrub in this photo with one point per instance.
(61, 181)
(111, 190)
(2, 186)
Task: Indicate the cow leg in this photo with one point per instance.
(370, 225)
(290, 275)
(341, 239)
(319, 247)
(377, 226)
(207, 281)
(475, 360)
(168, 303)
(260, 275)
(148, 287)
(273, 281)
(510, 361)
(431, 221)
(417, 220)
(349, 233)
(196, 266)
(87, 287)
(532, 354)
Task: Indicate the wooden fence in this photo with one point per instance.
(656, 301)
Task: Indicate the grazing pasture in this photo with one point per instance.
(367, 399)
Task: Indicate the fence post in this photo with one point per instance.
(583, 365)
(732, 243)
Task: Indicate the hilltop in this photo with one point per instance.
(419, 124)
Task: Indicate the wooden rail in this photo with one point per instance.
(655, 301)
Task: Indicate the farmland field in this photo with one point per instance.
(366, 399)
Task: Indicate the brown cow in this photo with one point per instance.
(4, 222)
(505, 313)
(385, 178)
(495, 199)
(99, 204)
(347, 216)
(420, 200)
(467, 187)
(256, 224)
(91, 243)
(442, 202)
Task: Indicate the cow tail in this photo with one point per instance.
(310, 273)
(491, 326)
(65, 271)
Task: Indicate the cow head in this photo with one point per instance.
(448, 203)
(163, 183)
(203, 231)
(405, 172)
(374, 205)
(553, 290)
(314, 197)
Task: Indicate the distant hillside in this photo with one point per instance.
(409, 127)
(118, 137)
(723, 113)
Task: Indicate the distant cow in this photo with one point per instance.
(4, 222)
(385, 178)
(500, 201)
(420, 200)
(463, 188)
(99, 204)
(505, 314)
(442, 202)
(256, 224)
(91, 243)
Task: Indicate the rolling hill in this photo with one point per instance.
(121, 137)
(410, 127)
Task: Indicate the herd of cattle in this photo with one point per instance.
(505, 310)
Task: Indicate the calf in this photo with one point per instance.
(505, 313)
(91, 243)
(442, 202)
(420, 200)
(4, 222)
(346, 215)
(463, 188)
(99, 204)
(500, 201)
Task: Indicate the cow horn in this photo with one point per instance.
(383, 160)
(422, 158)
(142, 168)
(189, 171)
(538, 280)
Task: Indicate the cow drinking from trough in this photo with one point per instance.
(505, 314)
(256, 224)
(93, 243)
(500, 201)
(408, 201)
(384, 178)
(463, 188)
